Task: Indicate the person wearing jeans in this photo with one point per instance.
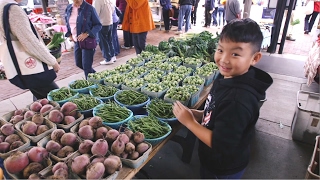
(79, 28)
(105, 9)
(309, 19)
(185, 8)
(166, 8)
(115, 39)
(221, 15)
(138, 21)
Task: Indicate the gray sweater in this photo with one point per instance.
(232, 9)
(104, 10)
(21, 30)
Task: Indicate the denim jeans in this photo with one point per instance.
(206, 174)
(139, 41)
(221, 16)
(115, 39)
(84, 59)
(214, 16)
(106, 45)
(184, 13)
(308, 23)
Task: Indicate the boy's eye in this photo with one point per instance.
(219, 50)
(235, 54)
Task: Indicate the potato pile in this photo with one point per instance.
(67, 114)
(27, 164)
(35, 126)
(129, 145)
(62, 144)
(59, 171)
(9, 140)
(41, 106)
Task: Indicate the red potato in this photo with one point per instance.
(43, 101)
(37, 154)
(4, 147)
(124, 138)
(58, 166)
(68, 120)
(138, 137)
(69, 109)
(83, 123)
(12, 138)
(65, 151)
(86, 132)
(41, 129)
(29, 128)
(46, 108)
(28, 114)
(55, 116)
(7, 129)
(35, 106)
(57, 134)
(95, 171)
(19, 112)
(95, 122)
(100, 147)
(38, 119)
(53, 146)
(101, 133)
(68, 139)
(112, 135)
(15, 119)
(112, 164)
(80, 163)
(16, 162)
(16, 145)
(142, 147)
(85, 146)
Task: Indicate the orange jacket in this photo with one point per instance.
(137, 17)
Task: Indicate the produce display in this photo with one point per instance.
(160, 108)
(167, 66)
(62, 94)
(168, 84)
(178, 93)
(150, 126)
(192, 61)
(173, 77)
(146, 55)
(136, 61)
(112, 112)
(154, 87)
(103, 91)
(175, 59)
(85, 102)
(151, 78)
(115, 79)
(81, 83)
(206, 70)
(101, 75)
(123, 68)
(193, 80)
(134, 83)
(137, 72)
(130, 97)
(184, 70)
(153, 64)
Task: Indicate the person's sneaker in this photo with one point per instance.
(179, 32)
(114, 59)
(106, 62)
(124, 47)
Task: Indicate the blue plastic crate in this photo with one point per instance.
(89, 112)
(82, 90)
(49, 97)
(133, 108)
(104, 99)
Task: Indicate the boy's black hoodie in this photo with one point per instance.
(231, 112)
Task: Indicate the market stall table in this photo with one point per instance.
(128, 173)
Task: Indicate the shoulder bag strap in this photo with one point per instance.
(6, 27)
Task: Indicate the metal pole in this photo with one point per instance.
(44, 7)
(286, 25)
(277, 21)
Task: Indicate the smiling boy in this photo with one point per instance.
(232, 106)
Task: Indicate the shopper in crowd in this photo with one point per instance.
(208, 10)
(221, 14)
(21, 31)
(115, 39)
(105, 10)
(138, 21)
(185, 8)
(214, 13)
(309, 19)
(166, 9)
(82, 21)
(194, 13)
(226, 125)
(232, 10)
(127, 36)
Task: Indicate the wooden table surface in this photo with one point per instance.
(128, 173)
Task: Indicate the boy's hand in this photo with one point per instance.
(182, 113)
(197, 114)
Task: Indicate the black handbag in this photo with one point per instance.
(89, 42)
(26, 79)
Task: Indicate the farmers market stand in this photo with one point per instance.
(187, 142)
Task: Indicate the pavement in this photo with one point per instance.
(274, 154)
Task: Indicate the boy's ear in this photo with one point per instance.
(256, 58)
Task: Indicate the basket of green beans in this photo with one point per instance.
(86, 103)
(112, 114)
(161, 110)
(81, 86)
(103, 92)
(131, 99)
(62, 95)
(153, 129)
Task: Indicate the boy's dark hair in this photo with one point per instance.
(243, 30)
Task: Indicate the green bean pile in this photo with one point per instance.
(130, 97)
(160, 108)
(85, 102)
(79, 84)
(112, 112)
(62, 94)
(150, 126)
(103, 91)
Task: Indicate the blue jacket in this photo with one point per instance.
(92, 26)
(166, 4)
